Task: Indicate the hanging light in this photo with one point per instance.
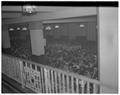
(18, 28)
(11, 29)
(82, 25)
(48, 28)
(24, 28)
(57, 26)
(29, 9)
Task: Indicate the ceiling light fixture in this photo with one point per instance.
(56, 26)
(29, 9)
(24, 28)
(18, 28)
(82, 25)
(11, 29)
(48, 28)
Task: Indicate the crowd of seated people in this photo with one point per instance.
(66, 56)
(19, 50)
(73, 58)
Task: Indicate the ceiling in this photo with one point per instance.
(11, 12)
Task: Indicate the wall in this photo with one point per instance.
(73, 29)
(108, 33)
(88, 31)
(5, 37)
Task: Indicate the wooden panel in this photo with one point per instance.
(62, 30)
(75, 30)
(56, 33)
(5, 39)
(91, 31)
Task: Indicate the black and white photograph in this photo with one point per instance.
(59, 47)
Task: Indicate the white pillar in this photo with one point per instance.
(37, 38)
(108, 42)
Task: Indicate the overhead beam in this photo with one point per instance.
(11, 8)
(39, 8)
(91, 18)
(11, 15)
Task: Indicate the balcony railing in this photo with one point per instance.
(45, 79)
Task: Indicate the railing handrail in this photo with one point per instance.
(65, 72)
(58, 70)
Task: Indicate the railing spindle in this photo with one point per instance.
(7, 70)
(95, 88)
(72, 84)
(42, 80)
(56, 82)
(67, 78)
(77, 86)
(52, 81)
(15, 69)
(37, 80)
(46, 83)
(63, 83)
(21, 71)
(88, 87)
(82, 86)
(48, 75)
(40, 85)
(59, 76)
